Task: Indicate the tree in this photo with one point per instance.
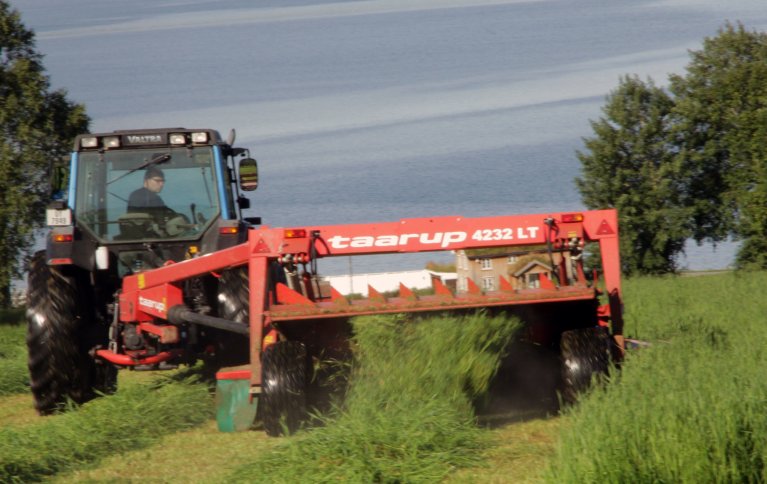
(37, 126)
(629, 165)
(721, 131)
(690, 162)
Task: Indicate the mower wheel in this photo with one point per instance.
(61, 330)
(585, 354)
(285, 371)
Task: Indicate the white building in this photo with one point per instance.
(388, 281)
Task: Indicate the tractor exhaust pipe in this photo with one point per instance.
(181, 314)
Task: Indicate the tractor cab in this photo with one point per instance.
(170, 190)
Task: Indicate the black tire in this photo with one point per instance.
(285, 376)
(60, 332)
(585, 354)
(43, 383)
(233, 304)
(234, 295)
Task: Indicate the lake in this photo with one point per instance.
(364, 111)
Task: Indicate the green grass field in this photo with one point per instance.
(13, 356)
(689, 408)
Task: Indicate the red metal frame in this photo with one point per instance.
(149, 295)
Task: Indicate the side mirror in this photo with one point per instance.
(248, 174)
(232, 135)
(243, 203)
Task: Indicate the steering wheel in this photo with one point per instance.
(178, 225)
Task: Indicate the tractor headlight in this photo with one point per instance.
(177, 139)
(200, 138)
(111, 142)
(89, 142)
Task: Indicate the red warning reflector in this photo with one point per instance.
(605, 229)
(261, 247)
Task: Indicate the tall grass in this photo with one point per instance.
(408, 414)
(136, 416)
(14, 377)
(693, 406)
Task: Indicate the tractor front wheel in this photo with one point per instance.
(285, 376)
(61, 330)
(585, 354)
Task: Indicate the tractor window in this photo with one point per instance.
(132, 195)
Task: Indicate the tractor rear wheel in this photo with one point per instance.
(61, 330)
(585, 354)
(285, 376)
(42, 378)
(234, 295)
(233, 304)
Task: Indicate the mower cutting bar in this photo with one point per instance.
(338, 306)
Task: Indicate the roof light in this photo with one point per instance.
(201, 137)
(295, 233)
(111, 142)
(89, 142)
(572, 217)
(178, 139)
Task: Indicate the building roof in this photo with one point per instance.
(526, 268)
(497, 252)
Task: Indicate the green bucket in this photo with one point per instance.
(235, 411)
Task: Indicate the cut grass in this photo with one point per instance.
(137, 416)
(517, 454)
(17, 409)
(202, 454)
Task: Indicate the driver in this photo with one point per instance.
(147, 199)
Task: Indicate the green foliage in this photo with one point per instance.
(136, 416)
(14, 376)
(721, 125)
(690, 408)
(408, 414)
(36, 127)
(13, 316)
(629, 166)
(688, 163)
